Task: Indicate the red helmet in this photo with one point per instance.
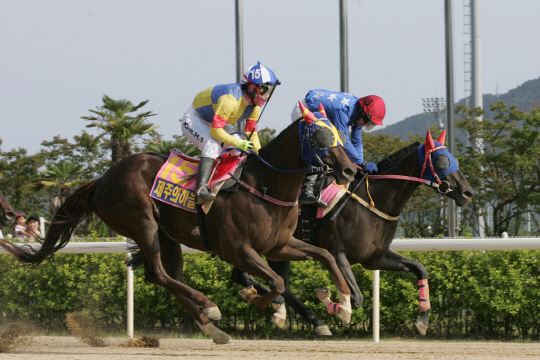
(374, 107)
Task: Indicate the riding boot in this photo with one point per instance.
(307, 195)
(203, 176)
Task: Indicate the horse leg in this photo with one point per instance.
(357, 298)
(282, 269)
(173, 263)
(393, 261)
(298, 250)
(246, 259)
(242, 278)
(156, 274)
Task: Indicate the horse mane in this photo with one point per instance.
(268, 147)
(392, 159)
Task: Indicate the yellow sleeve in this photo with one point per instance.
(221, 135)
(256, 142)
(225, 106)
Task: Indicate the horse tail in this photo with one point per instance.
(76, 208)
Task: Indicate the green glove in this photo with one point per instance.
(245, 145)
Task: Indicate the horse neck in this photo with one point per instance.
(282, 153)
(391, 195)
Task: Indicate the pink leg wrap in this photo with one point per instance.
(424, 295)
(333, 308)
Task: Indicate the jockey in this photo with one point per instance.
(207, 122)
(344, 111)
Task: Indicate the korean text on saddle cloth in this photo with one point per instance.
(175, 182)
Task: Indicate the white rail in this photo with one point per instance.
(105, 248)
(504, 243)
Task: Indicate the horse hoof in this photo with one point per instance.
(421, 326)
(280, 315)
(248, 293)
(279, 321)
(344, 315)
(212, 313)
(323, 330)
(221, 338)
(322, 293)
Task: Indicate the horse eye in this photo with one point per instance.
(442, 162)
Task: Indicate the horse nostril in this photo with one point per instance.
(468, 194)
(10, 214)
(349, 172)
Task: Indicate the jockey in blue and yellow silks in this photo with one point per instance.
(344, 111)
(207, 122)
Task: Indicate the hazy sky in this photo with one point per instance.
(58, 57)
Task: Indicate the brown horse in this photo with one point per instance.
(7, 214)
(358, 235)
(242, 226)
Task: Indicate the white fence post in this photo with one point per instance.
(376, 297)
(129, 299)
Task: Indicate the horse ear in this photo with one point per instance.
(442, 138)
(308, 115)
(429, 141)
(322, 111)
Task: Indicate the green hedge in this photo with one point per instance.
(473, 295)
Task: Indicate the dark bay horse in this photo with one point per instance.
(360, 236)
(242, 226)
(7, 214)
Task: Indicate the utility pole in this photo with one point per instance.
(343, 47)
(451, 130)
(239, 12)
(476, 94)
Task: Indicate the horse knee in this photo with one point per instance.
(278, 285)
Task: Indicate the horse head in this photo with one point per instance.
(439, 166)
(321, 143)
(7, 214)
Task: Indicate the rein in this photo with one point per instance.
(263, 196)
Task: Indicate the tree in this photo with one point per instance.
(113, 117)
(501, 161)
(61, 177)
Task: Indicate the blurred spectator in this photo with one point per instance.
(32, 227)
(20, 228)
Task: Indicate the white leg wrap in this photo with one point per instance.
(219, 336)
(280, 315)
(345, 309)
(212, 313)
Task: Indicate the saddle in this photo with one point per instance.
(175, 182)
(308, 214)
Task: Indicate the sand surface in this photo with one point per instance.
(60, 348)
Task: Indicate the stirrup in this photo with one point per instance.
(204, 195)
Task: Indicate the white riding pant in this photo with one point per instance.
(197, 130)
(296, 112)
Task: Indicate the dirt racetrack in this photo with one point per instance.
(60, 348)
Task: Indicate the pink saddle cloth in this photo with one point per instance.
(176, 180)
(331, 195)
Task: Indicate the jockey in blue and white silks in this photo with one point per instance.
(344, 111)
(207, 122)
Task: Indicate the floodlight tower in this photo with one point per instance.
(437, 107)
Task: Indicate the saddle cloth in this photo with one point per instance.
(176, 180)
(330, 195)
